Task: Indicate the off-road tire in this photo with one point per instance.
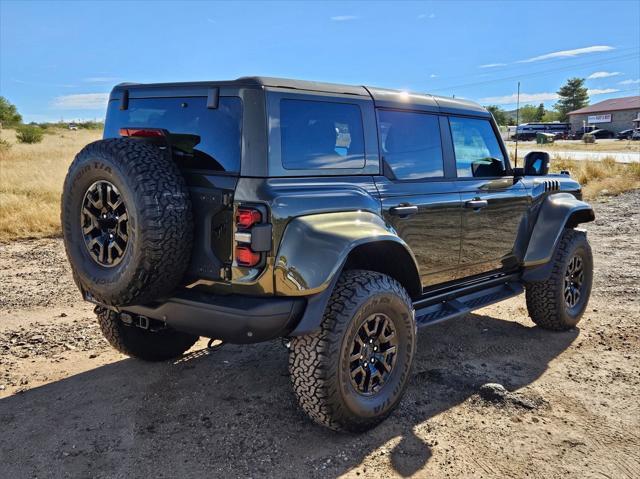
(319, 364)
(160, 222)
(139, 343)
(545, 299)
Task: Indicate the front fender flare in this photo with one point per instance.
(314, 248)
(558, 211)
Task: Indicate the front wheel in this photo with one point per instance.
(353, 372)
(559, 302)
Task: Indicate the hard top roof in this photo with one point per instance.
(382, 96)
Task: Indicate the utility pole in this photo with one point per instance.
(517, 123)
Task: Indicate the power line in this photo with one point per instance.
(621, 58)
(523, 66)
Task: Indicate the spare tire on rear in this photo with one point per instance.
(127, 222)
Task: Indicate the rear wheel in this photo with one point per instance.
(353, 372)
(559, 302)
(126, 221)
(143, 344)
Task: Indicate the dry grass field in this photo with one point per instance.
(31, 178)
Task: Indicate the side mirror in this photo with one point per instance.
(536, 163)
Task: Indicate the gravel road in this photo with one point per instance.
(72, 407)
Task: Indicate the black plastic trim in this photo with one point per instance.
(235, 319)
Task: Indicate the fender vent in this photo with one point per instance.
(551, 185)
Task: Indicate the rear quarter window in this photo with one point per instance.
(205, 138)
(320, 134)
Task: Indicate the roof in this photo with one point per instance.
(614, 104)
(381, 96)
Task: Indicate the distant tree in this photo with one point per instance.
(550, 115)
(499, 114)
(573, 96)
(540, 113)
(9, 115)
(528, 114)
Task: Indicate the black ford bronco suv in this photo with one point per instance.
(338, 217)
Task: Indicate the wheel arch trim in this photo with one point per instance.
(315, 248)
(558, 211)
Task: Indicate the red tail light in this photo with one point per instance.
(246, 257)
(142, 132)
(246, 218)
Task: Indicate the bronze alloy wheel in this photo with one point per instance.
(104, 222)
(373, 354)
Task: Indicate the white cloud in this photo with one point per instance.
(211, 20)
(630, 82)
(343, 18)
(425, 15)
(595, 75)
(492, 65)
(433, 75)
(81, 101)
(524, 98)
(601, 91)
(569, 53)
(100, 79)
(536, 97)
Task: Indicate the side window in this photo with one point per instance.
(476, 146)
(319, 134)
(411, 144)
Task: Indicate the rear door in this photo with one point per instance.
(418, 192)
(493, 205)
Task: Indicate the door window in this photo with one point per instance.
(411, 145)
(478, 153)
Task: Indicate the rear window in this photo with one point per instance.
(207, 138)
(318, 134)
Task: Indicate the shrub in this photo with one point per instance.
(588, 138)
(29, 134)
(4, 145)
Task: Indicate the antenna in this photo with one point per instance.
(517, 123)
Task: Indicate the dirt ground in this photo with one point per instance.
(72, 407)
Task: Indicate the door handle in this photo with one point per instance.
(403, 211)
(476, 204)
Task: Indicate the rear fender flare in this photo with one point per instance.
(314, 249)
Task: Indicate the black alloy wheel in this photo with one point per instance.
(104, 222)
(573, 281)
(373, 354)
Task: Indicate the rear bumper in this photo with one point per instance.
(233, 318)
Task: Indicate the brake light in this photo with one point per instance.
(246, 218)
(246, 257)
(142, 132)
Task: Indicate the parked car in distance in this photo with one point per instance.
(339, 218)
(73, 126)
(625, 134)
(602, 134)
(528, 131)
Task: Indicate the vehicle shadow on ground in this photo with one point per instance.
(232, 412)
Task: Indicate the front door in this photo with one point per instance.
(418, 192)
(493, 205)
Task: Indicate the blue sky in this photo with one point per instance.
(60, 59)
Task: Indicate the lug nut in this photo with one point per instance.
(366, 363)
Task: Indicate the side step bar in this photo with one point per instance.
(465, 303)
